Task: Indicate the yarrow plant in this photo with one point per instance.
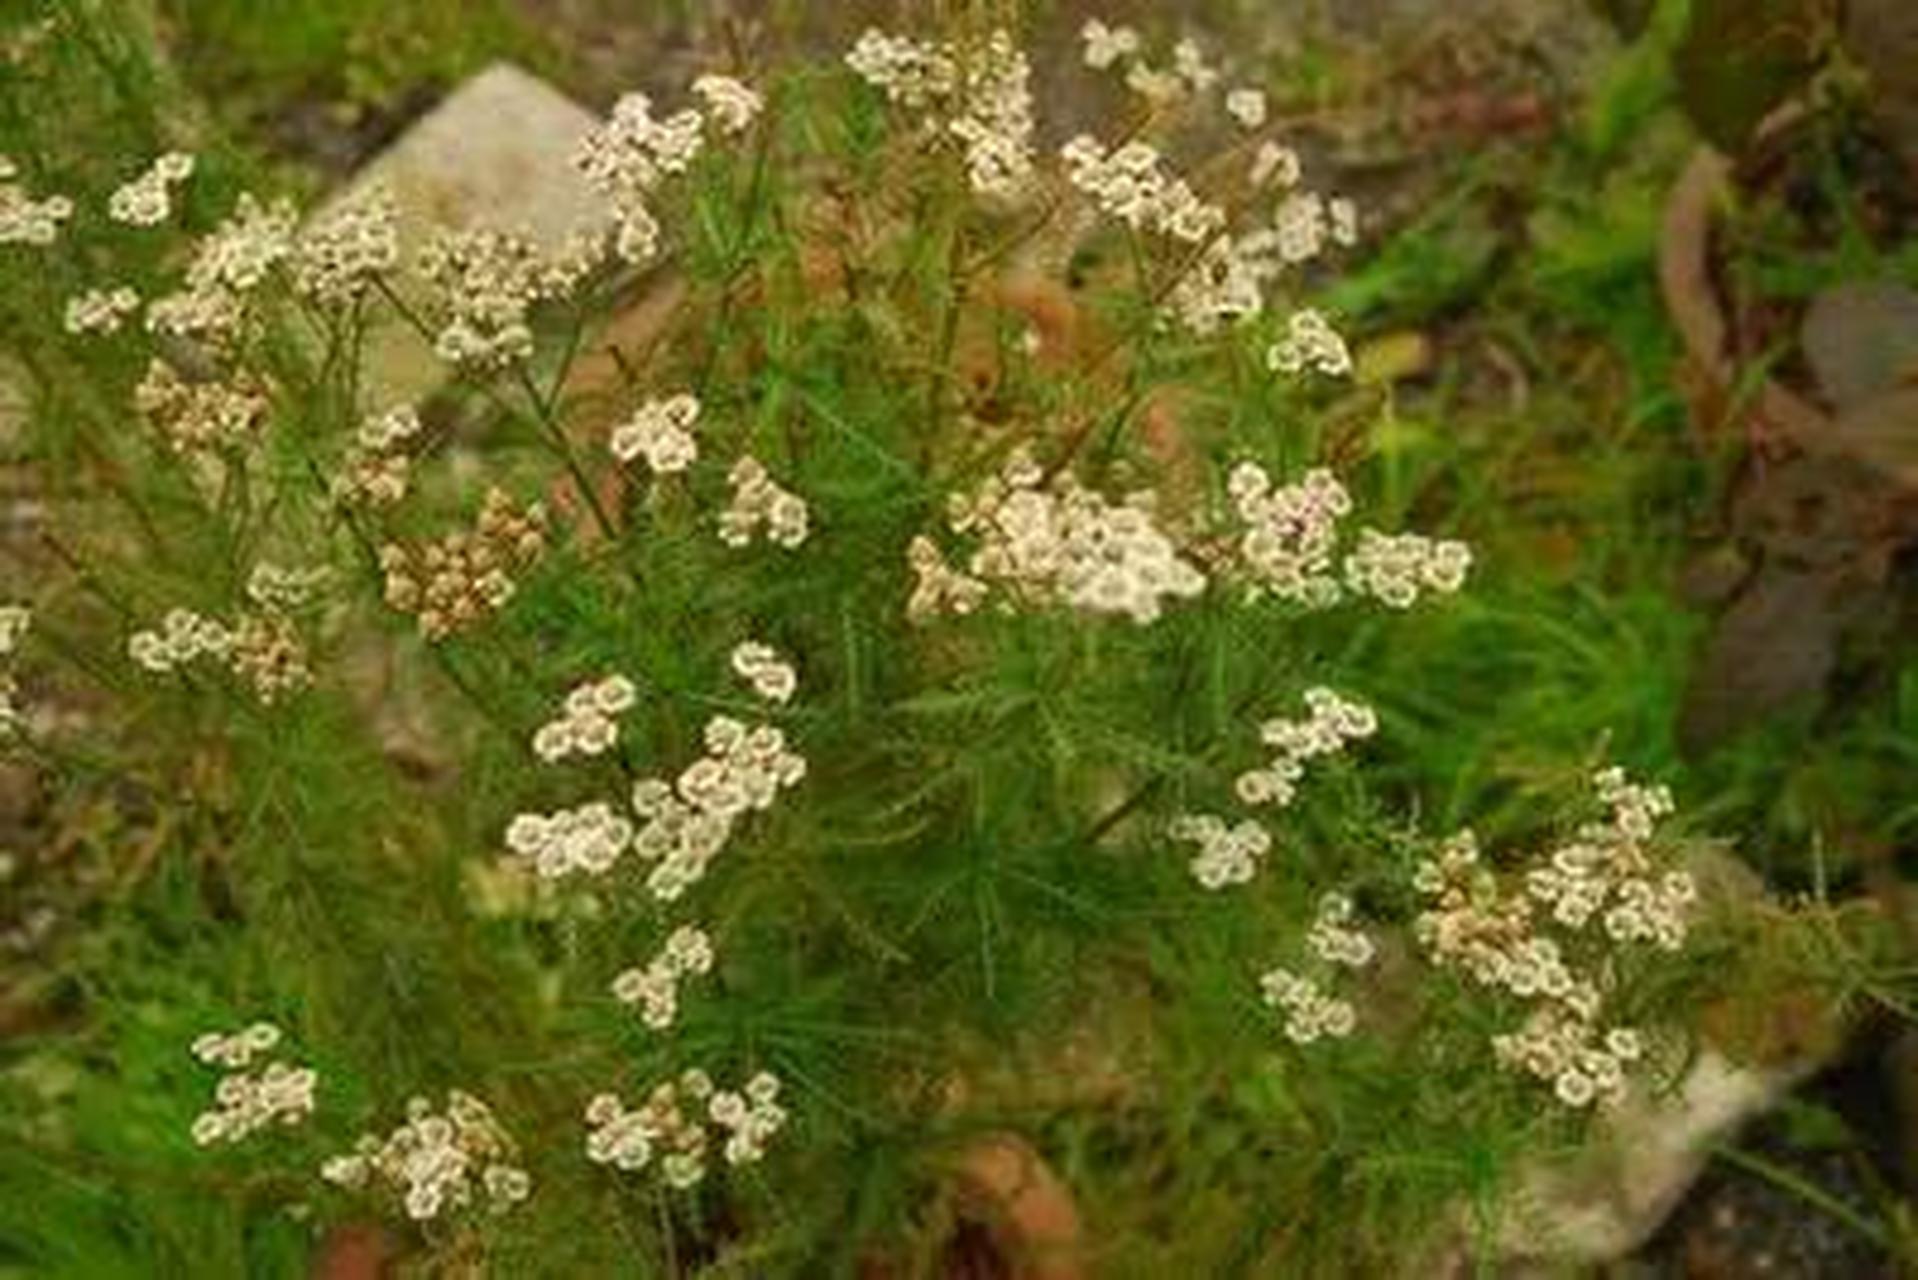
(880, 586)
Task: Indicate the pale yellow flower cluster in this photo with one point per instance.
(23, 219)
(588, 721)
(100, 310)
(1499, 938)
(338, 259)
(654, 988)
(263, 648)
(15, 621)
(201, 416)
(668, 1125)
(459, 579)
(147, 200)
(771, 676)
(758, 501)
(1331, 722)
(230, 262)
(660, 432)
(377, 468)
(979, 93)
(437, 1160)
(487, 281)
(688, 822)
(247, 1101)
(1228, 854)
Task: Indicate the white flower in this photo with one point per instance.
(1310, 342)
(1106, 45)
(733, 105)
(1247, 106)
(661, 433)
(770, 676)
(100, 310)
(147, 200)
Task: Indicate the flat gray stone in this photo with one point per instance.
(497, 153)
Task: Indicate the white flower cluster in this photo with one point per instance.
(938, 587)
(734, 105)
(1607, 873)
(24, 220)
(1332, 722)
(455, 581)
(263, 647)
(629, 1139)
(1065, 544)
(587, 724)
(1332, 937)
(1291, 533)
(655, 988)
(688, 822)
(1290, 543)
(1132, 185)
(1227, 854)
(183, 637)
(771, 676)
(15, 620)
(338, 258)
(147, 200)
(588, 839)
(1310, 1014)
(1397, 568)
(100, 310)
(200, 416)
(436, 1161)
(757, 500)
(982, 91)
(1106, 47)
(633, 152)
(229, 264)
(1247, 106)
(660, 432)
(1310, 342)
(1307, 222)
(245, 1101)
(1276, 163)
(488, 280)
(284, 588)
(376, 469)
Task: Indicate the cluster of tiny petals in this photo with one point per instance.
(459, 579)
(377, 468)
(1332, 937)
(938, 587)
(669, 1125)
(661, 433)
(1247, 106)
(654, 988)
(1131, 184)
(733, 104)
(228, 265)
(201, 416)
(1331, 722)
(1061, 543)
(1396, 569)
(587, 724)
(771, 676)
(1228, 854)
(1290, 535)
(247, 1101)
(339, 258)
(487, 280)
(15, 621)
(587, 839)
(1274, 163)
(626, 158)
(686, 823)
(147, 200)
(437, 1160)
(1310, 342)
(101, 310)
(1105, 46)
(758, 501)
(1310, 1013)
(982, 91)
(1608, 872)
(23, 219)
(263, 648)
